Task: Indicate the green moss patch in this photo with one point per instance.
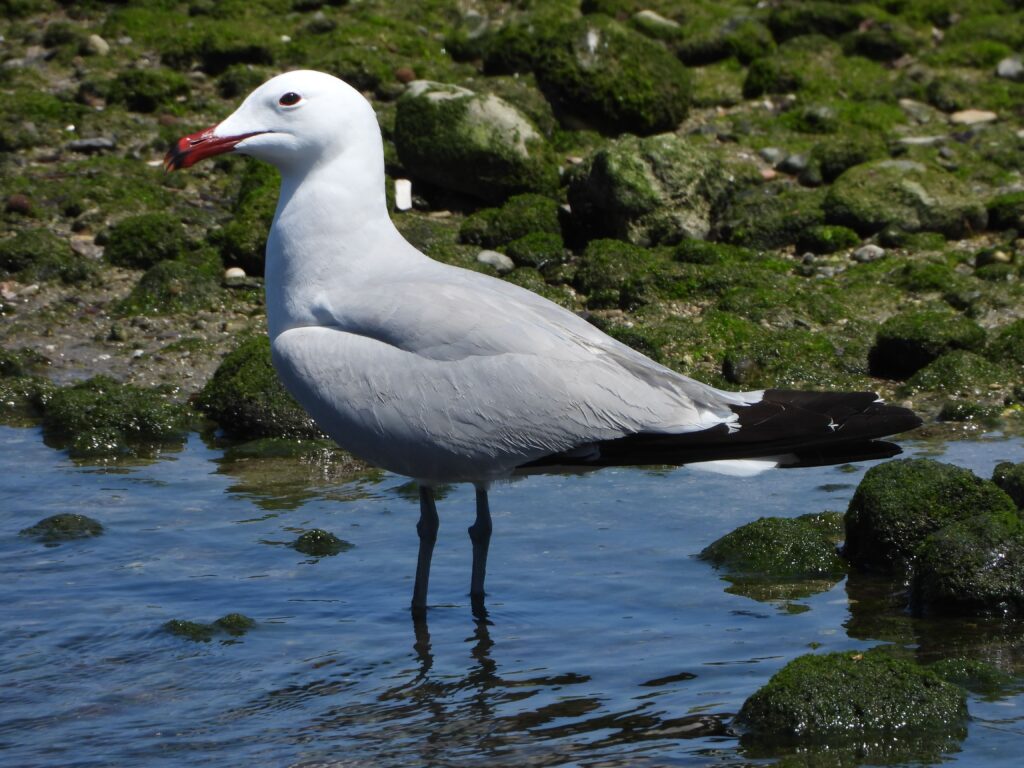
(319, 543)
(521, 216)
(139, 242)
(907, 342)
(1010, 477)
(63, 527)
(38, 255)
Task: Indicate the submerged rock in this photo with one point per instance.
(476, 144)
(660, 189)
(900, 503)
(245, 397)
(777, 548)
(63, 527)
(852, 695)
(319, 543)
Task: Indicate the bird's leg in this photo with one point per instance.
(480, 535)
(427, 530)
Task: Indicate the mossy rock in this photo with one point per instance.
(139, 242)
(771, 216)
(899, 503)
(475, 144)
(834, 156)
(1006, 211)
(972, 567)
(245, 397)
(827, 238)
(852, 695)
(776, 549)
(659, 189)
(21, 362)
(216, 44)
(975, 675)
(537, 249)
(23, 398)
(1010, 477)
(38, 255)
(706, 252)
(242, 240)
(741, 37)
(969, 410)
(613, 274)
(190, 630)
(520, 216)
(319, 543)
(907, 342)
(792, 19)
(874, 195)
(147, 90)
(173, 286)
(957, 373)
(63, 527)
(613, 77)
(884, 40)
(101, 417)
(235, 624)
(33, 116)
(1007, 347)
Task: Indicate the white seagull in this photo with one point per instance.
(447, 375)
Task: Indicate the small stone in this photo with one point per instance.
(499, 261)
(921, 141)
(869, 252)
(91, 146)
(1011, 68)
(794, 164)
(18, 203)
(973, 117)
(769, 174)
(234, 276)
(403, 194)
(773, 155)
(405, 75)
(654, 19)
(96, 46)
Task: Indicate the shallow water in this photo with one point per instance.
(606, 641)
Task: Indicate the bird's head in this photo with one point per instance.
(294, 119)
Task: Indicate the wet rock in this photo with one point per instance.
(63, 527)
(520, 216)
(958, 373)
(975, 675)
(969, 411)
(139, 242)
(1007, 347)
(537, 249)
(245, 397)
(476, 144)
(37, 255)
(907, 342)
(863, 696)
(499, 261)
(659, 189)
(973, 566)
(190, 630)
(900, 503)
(319, 543)
(235, 624)
(1010, 477)
(101, 417)
(613, 77)
(874, 195)
(776, 548)
(1011, 68)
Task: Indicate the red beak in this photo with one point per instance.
(189, 150)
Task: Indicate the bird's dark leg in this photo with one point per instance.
(480, 534)
(427, 530)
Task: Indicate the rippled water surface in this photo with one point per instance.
(606, 641)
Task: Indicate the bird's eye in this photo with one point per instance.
(290, 99)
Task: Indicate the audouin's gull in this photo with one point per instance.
(447, 375)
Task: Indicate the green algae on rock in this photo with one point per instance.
(1007, 347)
(855, 695)
(538, 249)
(235, 624)
(912, 195)
(771, 216)
(973, 566)
(190, 630)
(977, 676)
(63, 527)
(959, 373)
(147, 90)
(826, 238)
(659, 189)
(37, 255)
(139, 242)
(476, 144)
(776, 548)
(1010, 477)
(613, 77)
(242, 240)
(320, 543)
(899, 503)
(176, 285)
(101, 417)
(245, 397)
(519, 217)
(616, 274)
(907, 342)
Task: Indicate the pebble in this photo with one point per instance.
(1011, 68)
(869, 252)
(91, 146)
(18, 203)
(405, 75)
(96, 45)
(655, 19)
(794, 164)
(921, 141)
(499, 261)
(972, 117)
(403, 194)
(772, 155)
(234, 275)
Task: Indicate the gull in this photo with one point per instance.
(447, 375)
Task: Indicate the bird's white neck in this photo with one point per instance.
(331, 232)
